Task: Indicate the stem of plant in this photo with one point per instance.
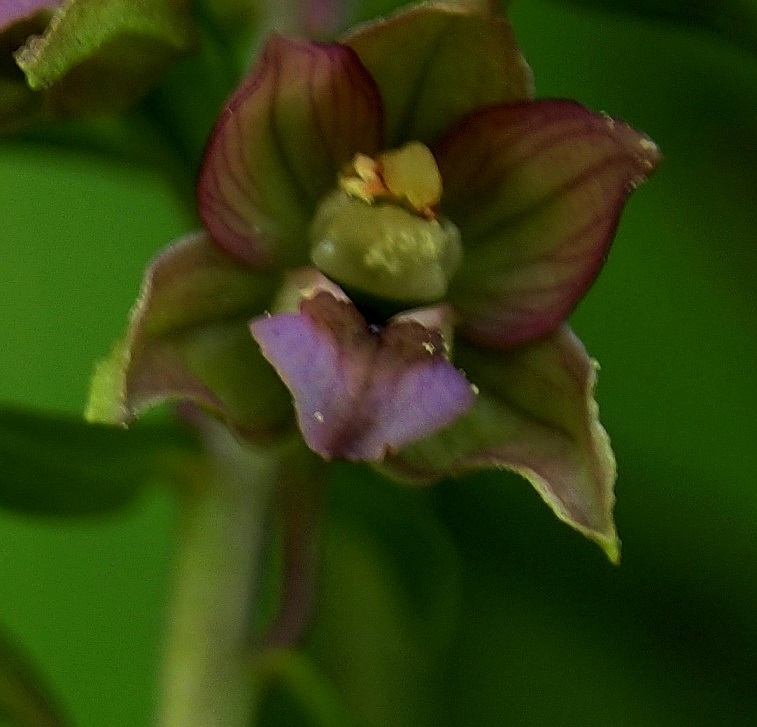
(206, 678)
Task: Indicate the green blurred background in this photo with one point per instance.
(469, 604)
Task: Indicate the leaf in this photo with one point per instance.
(59, 466)
(24, 700)
(732, 20)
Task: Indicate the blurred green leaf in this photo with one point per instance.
(24, 700)
(60, 466)
(733, 20)
(388, 601)
(294, 692)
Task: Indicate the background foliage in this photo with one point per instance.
(469, 604)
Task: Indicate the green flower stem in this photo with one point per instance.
(206, 679)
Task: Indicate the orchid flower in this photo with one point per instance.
(395, 233)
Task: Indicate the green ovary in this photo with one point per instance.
(384, 250)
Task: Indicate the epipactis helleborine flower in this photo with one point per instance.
(383, 214)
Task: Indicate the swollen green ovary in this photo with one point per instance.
(383, 249)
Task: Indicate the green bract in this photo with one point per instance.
(89, 56)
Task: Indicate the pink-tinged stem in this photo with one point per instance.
(301, 506)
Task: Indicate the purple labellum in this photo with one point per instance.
(360, 393)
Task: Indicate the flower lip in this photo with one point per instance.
(363, 391)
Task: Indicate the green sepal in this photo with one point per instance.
(453, 61)
(24, 700)
(103, 55)
(536, 416)
(189, 341)
(55, 465)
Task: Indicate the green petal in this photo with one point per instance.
(303, 112)
(436, 63)
(536, 415)
(59, 466)
(188, 340)
(103, 55)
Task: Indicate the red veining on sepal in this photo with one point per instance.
(304, 111)
(537, 190)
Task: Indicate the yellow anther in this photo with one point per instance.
(362, 180)
(366, 168)
(411, 174)
(407, 176)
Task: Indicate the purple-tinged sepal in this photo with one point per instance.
(535, 415)
(17, 12)
(536, 190)
(304, 112)
(19, 19)
(188, 340)
(361, 391)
